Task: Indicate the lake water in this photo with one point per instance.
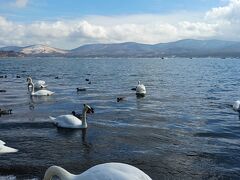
(184, 128)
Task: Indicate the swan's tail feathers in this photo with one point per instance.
(6, 149)
(52, 118)
(2, 142)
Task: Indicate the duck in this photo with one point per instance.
(81, 89)
(79, 116)
(6, 149)
(106, 171)
(71, 121)
(5, 112)
(40, 84)
(236, 106)
(120, 99)
(3, 90)
(41, 92)
(140, 89)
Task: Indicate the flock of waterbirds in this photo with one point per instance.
(106, 171)
(112, 170)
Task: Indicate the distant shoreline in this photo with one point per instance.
(187, 48)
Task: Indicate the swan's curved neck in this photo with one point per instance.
(59, 172)
(84, 119)
(30, 80)
(32, 88)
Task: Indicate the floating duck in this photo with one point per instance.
(81, 89)
(79, 116)
(5, 112)
(120, 99)
(107, 171)
(5, 149)
(71, 121)
(2, 90)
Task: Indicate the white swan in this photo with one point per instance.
(41, 92)
(140, 89)
(38, 85)
(71, 121)
(6, 149)
(236, 106)
(107, 171)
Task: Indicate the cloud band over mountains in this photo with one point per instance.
(217, 23)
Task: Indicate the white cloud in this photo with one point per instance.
(20, 3)
(227, 19)
(221, 23)
(230, 12)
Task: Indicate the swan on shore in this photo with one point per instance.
(140, 89)
(6, 149)
(236, 106)
(107, 171)
(41, 92)
(40, 84)
(71, 121)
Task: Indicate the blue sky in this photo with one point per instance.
(71, 23)
(36, 10)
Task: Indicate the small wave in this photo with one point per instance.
(12, 177)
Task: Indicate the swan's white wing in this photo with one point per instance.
(6, 149)
(68, 121)
(236, 105)
(40, 82)
(141, 89)
(2, 142)
(43, 92)
(116, 171)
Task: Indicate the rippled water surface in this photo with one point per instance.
(183, 128)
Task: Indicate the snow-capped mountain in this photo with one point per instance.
(41, 49)
(34, 50)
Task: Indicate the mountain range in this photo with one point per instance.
(183, 48)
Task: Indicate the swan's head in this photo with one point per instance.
(138, 82)
(88, 109)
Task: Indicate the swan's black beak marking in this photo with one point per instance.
(91, 110)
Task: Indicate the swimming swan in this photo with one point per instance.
(107, 171)
(38, 85)
(41, 92)
(236, 106)
(6, 149)
(140, 89)
(71, 121)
